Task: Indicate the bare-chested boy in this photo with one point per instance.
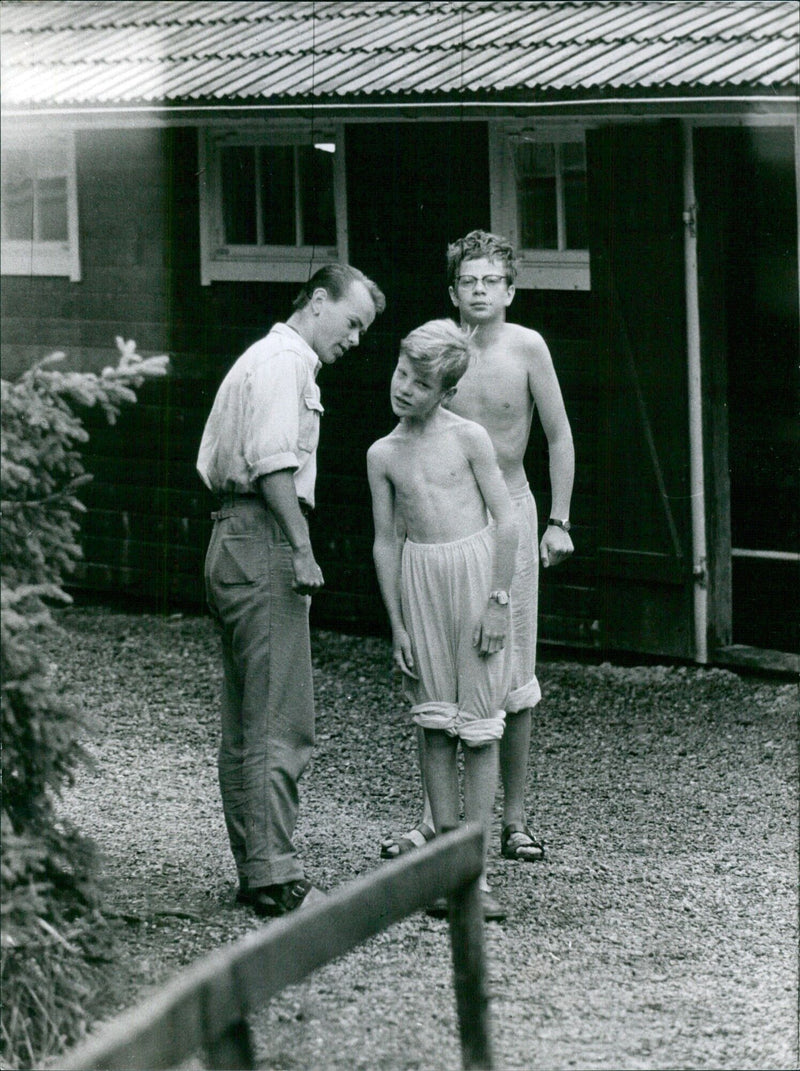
(444, 569)
(511, 376)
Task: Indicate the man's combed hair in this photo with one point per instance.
(337, 280)
(440, 348)
(480, 245)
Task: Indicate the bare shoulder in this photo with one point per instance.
(528, 342)
(380, 453)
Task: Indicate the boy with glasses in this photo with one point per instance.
(435, 480)
(511, 376)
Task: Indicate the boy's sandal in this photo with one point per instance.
(392, 846)
(517, 842)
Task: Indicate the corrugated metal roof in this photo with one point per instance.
(84, 52)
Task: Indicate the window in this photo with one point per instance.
(539, 202)
(272, 204)
(39, 217)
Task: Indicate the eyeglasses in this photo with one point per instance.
(469, 282)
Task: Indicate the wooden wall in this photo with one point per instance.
(568, 604)
(411, 189)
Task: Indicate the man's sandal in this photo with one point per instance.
(392, 847)
(518, 843)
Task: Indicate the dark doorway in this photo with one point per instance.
(764, 390)
(763, 385)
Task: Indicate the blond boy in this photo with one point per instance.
(435, 481)
(511, 378)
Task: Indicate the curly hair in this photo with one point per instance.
(480, 245)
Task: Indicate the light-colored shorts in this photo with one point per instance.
(444, 591)
(525, 691)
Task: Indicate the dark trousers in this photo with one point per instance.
(267, 692)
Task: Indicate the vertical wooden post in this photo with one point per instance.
(470, 977)
(232, 1050)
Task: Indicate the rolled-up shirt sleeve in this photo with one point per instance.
(272, 415)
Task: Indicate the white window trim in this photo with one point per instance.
(221, 263)
(48, 258)
(537, 269)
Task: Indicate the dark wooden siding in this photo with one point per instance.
(148, 521)
(568, 606)
(411, 189)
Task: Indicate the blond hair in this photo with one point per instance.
(441, 348)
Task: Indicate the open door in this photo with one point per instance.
(747, 235)
(644, 518)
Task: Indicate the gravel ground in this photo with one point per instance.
(661, 932)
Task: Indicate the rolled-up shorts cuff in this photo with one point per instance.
(472, 730)
(524, 697)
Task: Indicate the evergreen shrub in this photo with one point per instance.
(52, 928)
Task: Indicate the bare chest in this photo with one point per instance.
(494, 392)
(431, 470)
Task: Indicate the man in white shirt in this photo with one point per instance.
(258, 454)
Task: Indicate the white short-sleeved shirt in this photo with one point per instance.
(265, 418)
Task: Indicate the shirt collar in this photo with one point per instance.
(289, 333)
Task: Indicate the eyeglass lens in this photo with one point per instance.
(471, 281)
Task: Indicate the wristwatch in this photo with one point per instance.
(556, 523)
(500, 597)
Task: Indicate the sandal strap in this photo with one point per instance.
(418, 837)
(516, 838)
(293, 894)
(516, 829)
(415, 838)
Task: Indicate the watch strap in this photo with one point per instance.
(556, 523)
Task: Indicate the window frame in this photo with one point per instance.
(537, 269)
(270, 263)
(46, 258)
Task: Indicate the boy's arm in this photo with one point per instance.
(556, 543)
(386, 551)
(491, 632)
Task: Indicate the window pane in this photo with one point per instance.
(536, 196)
(51, 161)
(238, 166)
(17, 194)
(18, 209)
(52, 198)
(277, 194)
(316, 196)
(573, 156)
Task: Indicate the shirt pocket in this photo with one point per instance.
(310, 413)
(241, 560)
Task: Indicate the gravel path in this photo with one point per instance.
(660, 933)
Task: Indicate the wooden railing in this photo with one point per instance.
(205, 1008)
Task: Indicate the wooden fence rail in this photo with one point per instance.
(207, 1005)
